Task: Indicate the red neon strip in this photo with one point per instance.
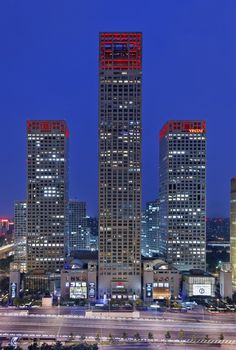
(47, 126)
(183, 126)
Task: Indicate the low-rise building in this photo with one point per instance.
(79, 280)
(198, 283)
(160, 280)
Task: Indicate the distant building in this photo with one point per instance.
(233, 228)
(92, 227)
(183, 193)
(144, 240)
(6, 227)
(92, 224)
(79, 235)
(20, 220)
(150, 229)
(218, 229)
(217, 252)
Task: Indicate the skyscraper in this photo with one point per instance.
(20, 230)
(120, 56)
(150, 229)
(233, 228)
(79, 237)
(47, 194)
(183, 193)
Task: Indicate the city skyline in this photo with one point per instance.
(189, 75)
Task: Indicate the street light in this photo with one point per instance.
(109, 304)
(58, 304)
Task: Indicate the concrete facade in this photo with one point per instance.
(160, 280)
(226, 284)
(197, 283)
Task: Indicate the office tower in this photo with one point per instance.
(79, 237)
(20, 220)
(233, 229)
(150, 229)
(119, 164)
(47, 194)
(183, 193)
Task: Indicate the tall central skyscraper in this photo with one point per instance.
(183, 193)
(47, 195)
(120, 56)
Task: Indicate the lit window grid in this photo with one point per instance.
(183, 161)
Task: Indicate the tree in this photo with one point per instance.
(110, 338)
(150, 336)
(17, 301)
(137, 336)
(97, 338)
(221, 336)
(71, 336)
(124, 335)
(57, 346)
(167, 335)
(82, 337)
(46, 346)
(94, 347)
(9, 347)
(34, 345)
(181, 334)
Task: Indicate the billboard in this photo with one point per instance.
(148, 290)
(91, 292)
(201, 289)
(13, 290)
(78, 290)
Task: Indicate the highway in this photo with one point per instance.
(41, 325)
(198, 314)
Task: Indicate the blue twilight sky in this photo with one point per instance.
(49, 70)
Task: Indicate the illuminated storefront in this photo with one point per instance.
(79, 280)
(160, 280)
